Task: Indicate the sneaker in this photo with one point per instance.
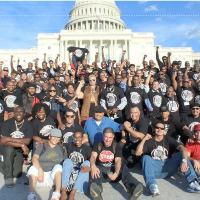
(154, 189)
(137, 191)
(32, 196)
(95, 191)
(198, 179)
(194, 187)
(9, 182)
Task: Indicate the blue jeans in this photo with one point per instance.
(153, 169)
(82, 182)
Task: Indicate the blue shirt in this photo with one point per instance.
(95, 131)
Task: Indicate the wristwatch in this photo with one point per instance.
(184, 160)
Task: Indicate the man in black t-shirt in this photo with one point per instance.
(16, 135)
(106, 165)
(134, 130)
(76, 167)
(159, 162)
(11, 97)
(113, 100)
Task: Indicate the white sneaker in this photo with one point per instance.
(32, 196)
(154, 189)
(194, 187)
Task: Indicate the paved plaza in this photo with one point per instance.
(172, 189)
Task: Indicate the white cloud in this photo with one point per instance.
(151, 8)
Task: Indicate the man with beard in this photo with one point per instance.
(113, 100)
(16, 135)
(185, 96)
(170, 100)
(30, 99)
(154, 100)
(135, 96)
(11, 98)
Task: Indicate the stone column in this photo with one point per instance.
(100, 50)
(111, 47)
(90, 51)
(66, 52)
(115, 49)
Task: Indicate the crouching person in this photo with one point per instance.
(76, 167)
(46, 169)
(106, 165)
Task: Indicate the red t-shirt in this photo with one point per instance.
(194, 150)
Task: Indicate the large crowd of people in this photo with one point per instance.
(80, 125)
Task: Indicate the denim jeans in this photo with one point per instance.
(13, 161)
(82, 182)
(153, 169)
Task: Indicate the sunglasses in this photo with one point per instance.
(52, 90)
(5, 70)
(92, 80)
(69, 116)
(195, 108)
(159, 128)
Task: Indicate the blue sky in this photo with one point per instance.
(174, 23)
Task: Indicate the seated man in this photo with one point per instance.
(106, 165)
(193, 148)
(46, 169)
(158, 163)
(16, 135)
(76, 167)
(94, 126)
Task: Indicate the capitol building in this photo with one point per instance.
(93, 24)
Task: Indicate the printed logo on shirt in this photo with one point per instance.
(111, 99)
(1, 108)
(68, 137)
(187, 95)
(160, 153)
(48, 104)
(74, 106)
(10, 99)
(46, 130)
(106, 156)
(163, 87)
(17, 134)
(173, 106)
(38, 89)
(191, 126)
(197, 99)
(195, 76)
(157, 100)
(76, 158)
(135, 97)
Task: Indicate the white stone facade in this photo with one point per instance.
(93, 24)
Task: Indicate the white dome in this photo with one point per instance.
(95, 15)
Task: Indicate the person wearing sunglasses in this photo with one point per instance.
(161, 160)
(70, 127)
(90, 98)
